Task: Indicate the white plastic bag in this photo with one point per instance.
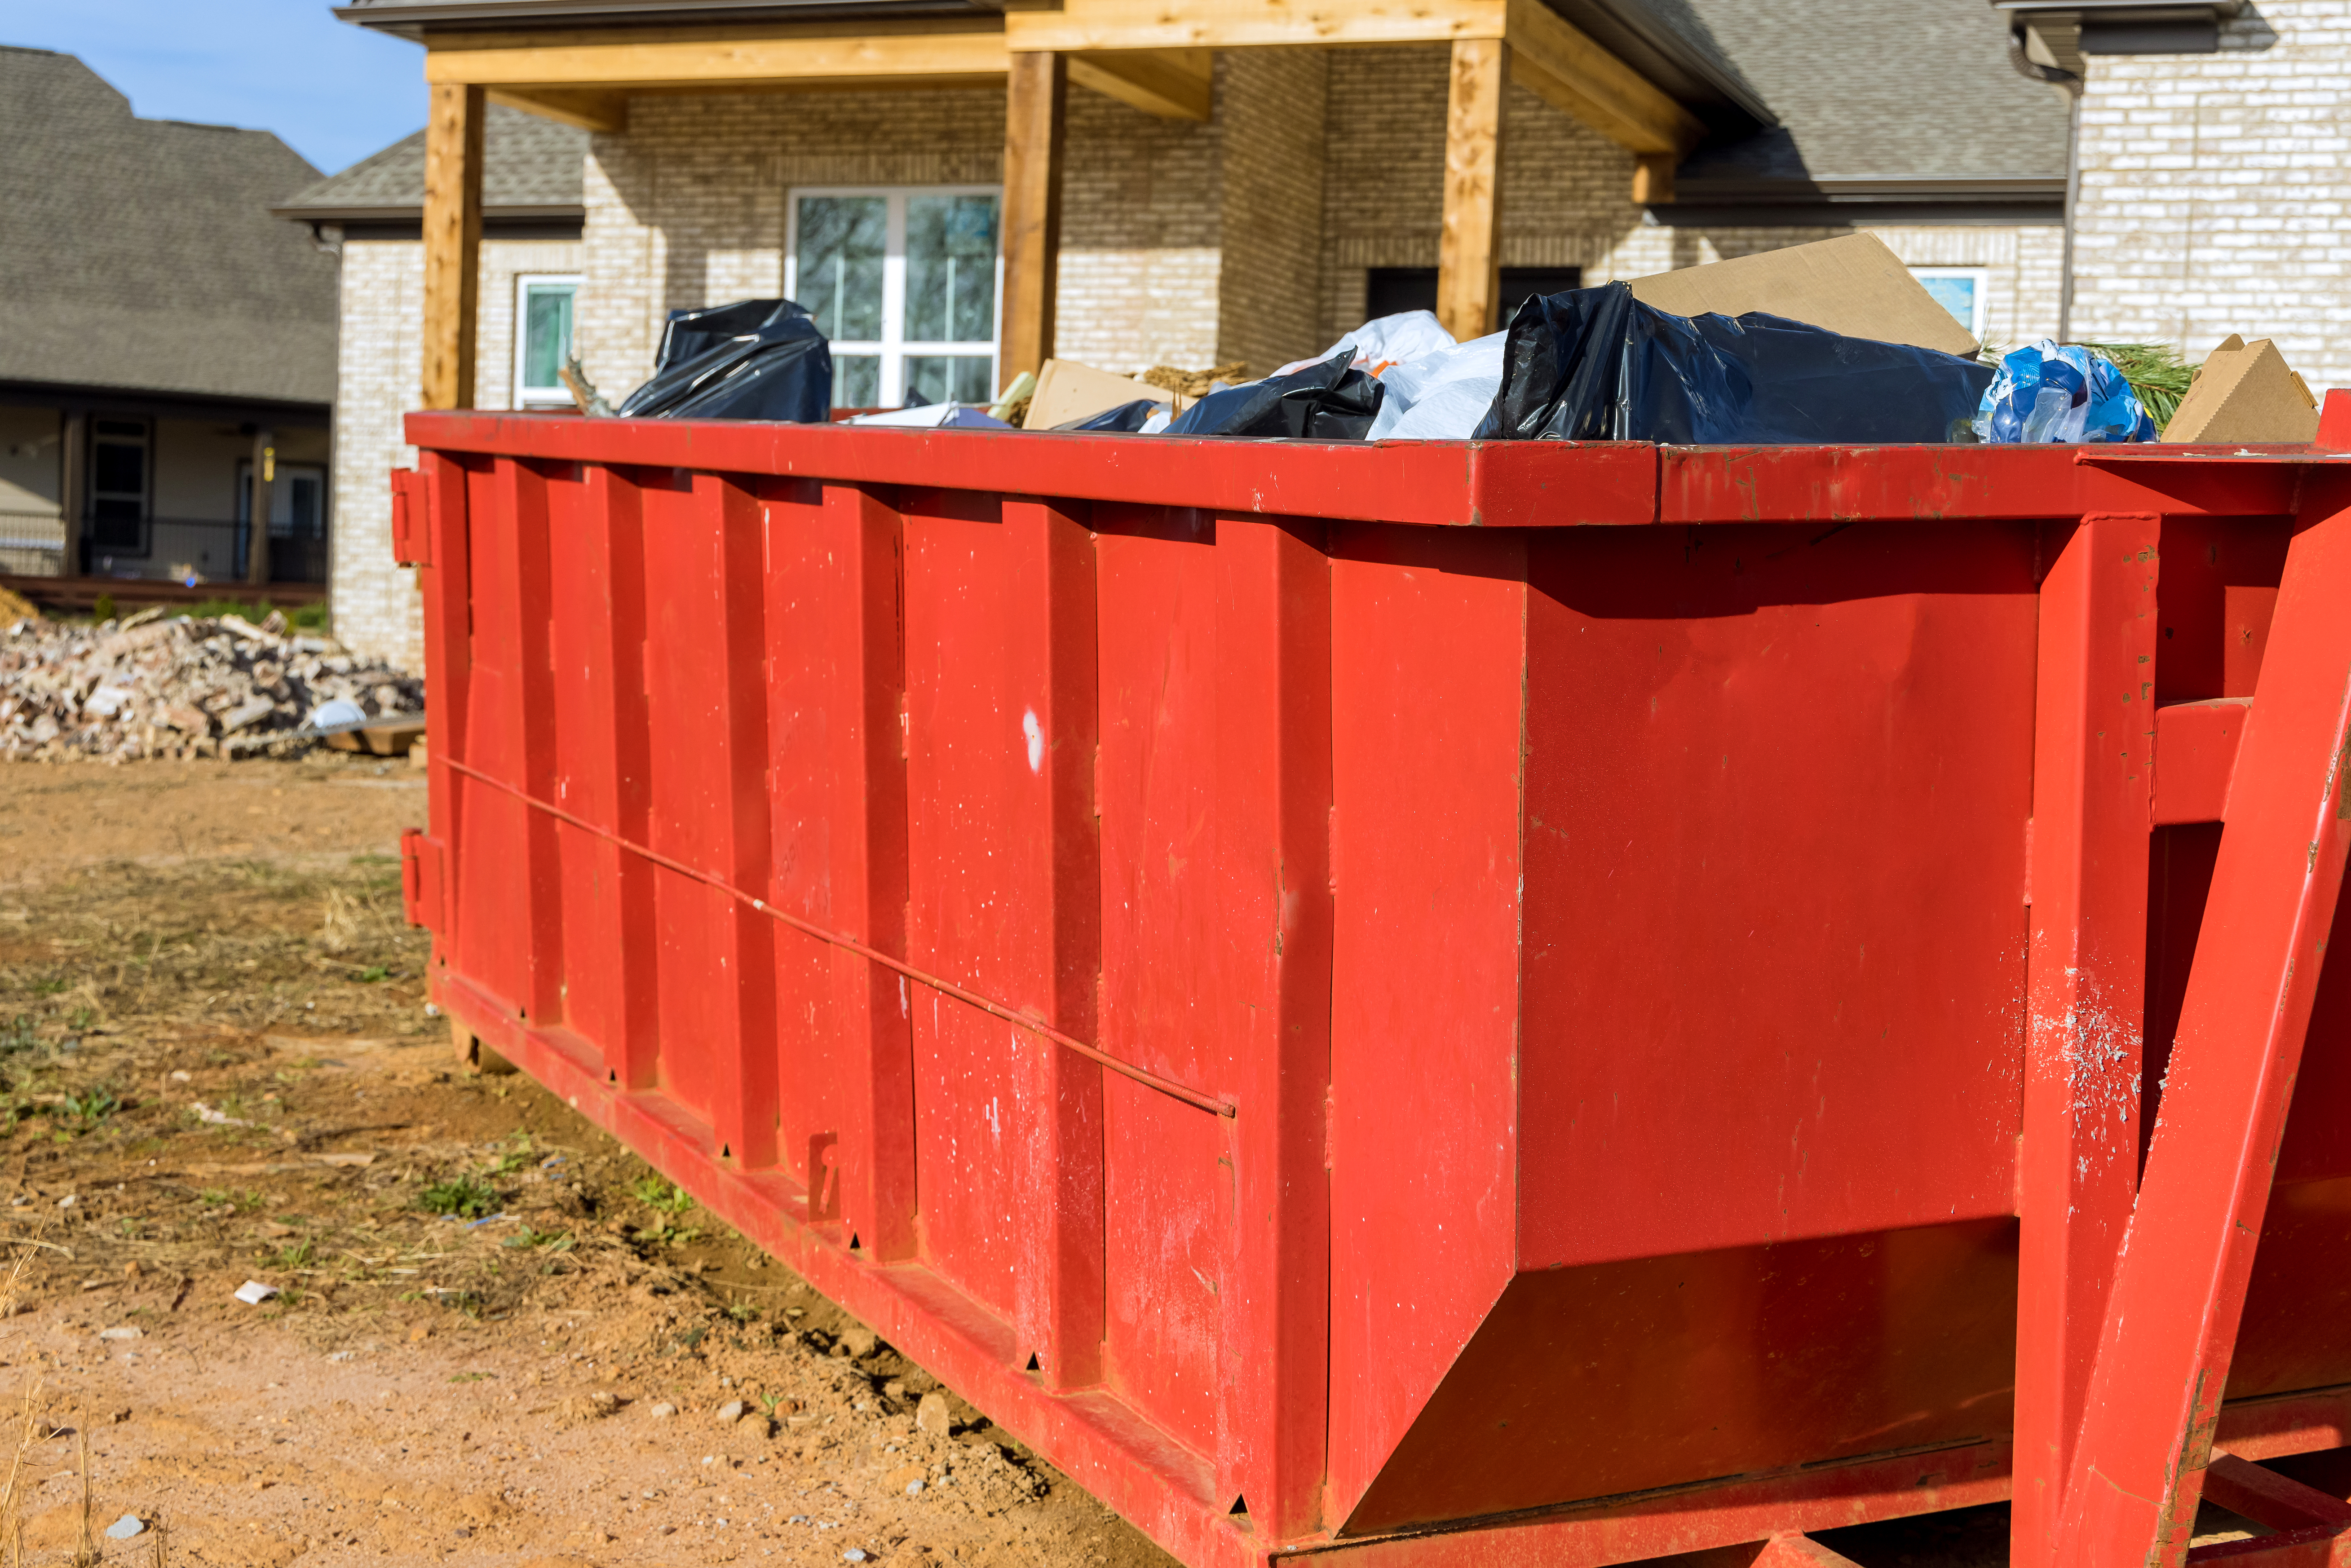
(1383, 341)
(1440, 395)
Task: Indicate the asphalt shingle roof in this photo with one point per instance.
(527, 162)
(1881, 89)
(141, 255)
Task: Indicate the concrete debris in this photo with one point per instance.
(148, 687)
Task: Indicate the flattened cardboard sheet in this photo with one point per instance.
(1851, 285)
(1067, 390)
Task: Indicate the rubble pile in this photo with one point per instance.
(151, 686)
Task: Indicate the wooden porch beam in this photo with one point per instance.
(1035, 104)
(588, 109)
(817, 56)
(1088, 26)
(453, 242)
(1171, 84)
(1467, 251)
(1575, 76)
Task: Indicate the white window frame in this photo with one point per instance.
(558, 395)
(1979, 276)
(892, 348)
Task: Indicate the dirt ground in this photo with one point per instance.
(495, 1336)
(498, 1337)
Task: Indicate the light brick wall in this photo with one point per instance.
(2215, 190)
(380, 380)
(1141, 223)
(686, 208)
(1271, 108)
(1567, 202)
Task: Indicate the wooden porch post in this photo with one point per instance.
(1468, 255)
(257, 497)
(453, 242)
(1037, 88)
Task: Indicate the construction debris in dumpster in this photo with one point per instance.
(2047, 391)
(1329, 402)
(1596, 364)
(757, 358)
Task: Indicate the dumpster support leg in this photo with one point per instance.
(2155, 1392)
(2078, 1165)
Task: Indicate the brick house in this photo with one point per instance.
(372, 214)
(167, 351)
(1193, 183)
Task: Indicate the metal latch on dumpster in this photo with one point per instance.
(412, 542)
(423, 875)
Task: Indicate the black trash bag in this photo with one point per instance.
(1329, 402)
(1596, 364)
(760, 359)
(1125, 419)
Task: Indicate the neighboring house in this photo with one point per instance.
(1194, 181)
(530, 261)
(161, 336)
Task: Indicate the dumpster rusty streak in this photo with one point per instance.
(1247, 778)
(1173, 1091)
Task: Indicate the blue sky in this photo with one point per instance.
(334, 92)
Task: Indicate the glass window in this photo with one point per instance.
(843, 244)
(1957, 289)
(903, 283)
(951, 269)
(544, 306)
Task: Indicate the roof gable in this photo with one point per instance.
(141, 254)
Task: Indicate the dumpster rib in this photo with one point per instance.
(1144, 1076)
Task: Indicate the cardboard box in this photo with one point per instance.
(1851, 285)
(2245, 391)
(1067, 390)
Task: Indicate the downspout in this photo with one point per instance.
(2019, 55)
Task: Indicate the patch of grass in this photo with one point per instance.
(553, 1240)
(293, 1255)
(91, 1106)
(666, 1197)
(468, 1197)
(20, 1033)
(472, 1376)
(307, 617)
(374, 973)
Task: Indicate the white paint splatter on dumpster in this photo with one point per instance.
(1035, 733)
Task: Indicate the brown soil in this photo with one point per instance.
(216, 1066)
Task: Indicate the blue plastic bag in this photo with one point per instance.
(2048, 391)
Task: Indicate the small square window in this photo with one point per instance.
(543, 313)
(1959, 290)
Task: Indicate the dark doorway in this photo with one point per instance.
(1390, 289)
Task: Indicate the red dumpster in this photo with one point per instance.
(1447, 1002)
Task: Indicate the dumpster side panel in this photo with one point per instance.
(492, 914)
(1429, 660)
(707, 725)
(1778, 787)
(595, 633)
(1163, 1218)
(970, 918)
